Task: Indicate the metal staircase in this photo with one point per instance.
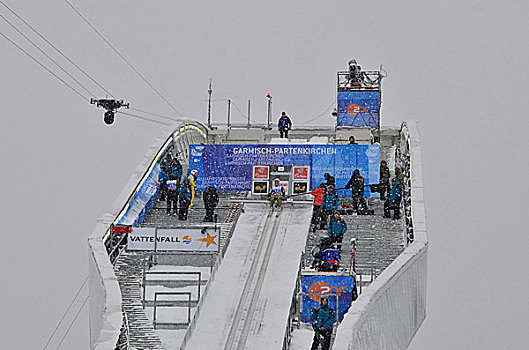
(378, 241)
(129, 269)
(129, 266)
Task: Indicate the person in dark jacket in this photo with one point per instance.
(284, 124)
(352, 140)
(336, 229)
(329, 180)
(329, 205)
(211, 199)
(393, 201)
(356, 184)
(384, 187)
(163, 176)
(172, 194)
(184, 196)
(323, 319)
(176, 169)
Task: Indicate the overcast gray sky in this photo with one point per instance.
(459, 68)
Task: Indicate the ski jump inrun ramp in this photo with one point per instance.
(249, 299)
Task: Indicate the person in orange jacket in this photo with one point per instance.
(316, 206)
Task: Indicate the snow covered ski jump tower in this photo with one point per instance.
(248, 280)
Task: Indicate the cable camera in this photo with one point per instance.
(111, 107)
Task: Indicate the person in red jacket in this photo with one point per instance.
(316, 209)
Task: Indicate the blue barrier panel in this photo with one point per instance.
(358, 108)
(230, 166)
(332, 284)
(142, 200)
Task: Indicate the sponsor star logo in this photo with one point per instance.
(209, 240)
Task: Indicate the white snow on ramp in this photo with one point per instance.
(270, 319)
(259, 245)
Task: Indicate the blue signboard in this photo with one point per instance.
(358, 108)
(143, 200)
(333, 284)
(230, 166)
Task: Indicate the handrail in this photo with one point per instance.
(294, 307)
(145, 282)
(154, 323)
(403, 159)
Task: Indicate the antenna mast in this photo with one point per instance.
(209, 104)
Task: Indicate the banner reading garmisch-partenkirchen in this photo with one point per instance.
(358, 108)
(229, 167)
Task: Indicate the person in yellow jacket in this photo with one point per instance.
(192, 182)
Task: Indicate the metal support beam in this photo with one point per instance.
(249, 113)
(210, 91)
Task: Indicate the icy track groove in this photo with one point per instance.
(246, 308)
(249, 302)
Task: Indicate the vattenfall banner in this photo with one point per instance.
(188, 239)
(335, 284)
(358, 108)
(230, 166)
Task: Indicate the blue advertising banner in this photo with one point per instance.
(358, 108)
(334, 284)
(230, 166)
(142, 200)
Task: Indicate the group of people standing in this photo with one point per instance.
(173, 189)
(181, 194)
(325, 209)
(326, 200)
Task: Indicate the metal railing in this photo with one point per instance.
(294, 311)
(170, 325)
(371, 80)
(231, 218)
(403, 161)
(124, 339)
(146, 282)
(115, 250)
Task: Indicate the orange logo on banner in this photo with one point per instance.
(320, 287)
(260, 172)
(354, 109)
(301, 173)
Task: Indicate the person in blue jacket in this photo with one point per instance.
(393, 201)
(163, 176)
(284, 124)
(327, 260)
(337, 228)
(323, 319)
(329, 205)
(184, 196)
